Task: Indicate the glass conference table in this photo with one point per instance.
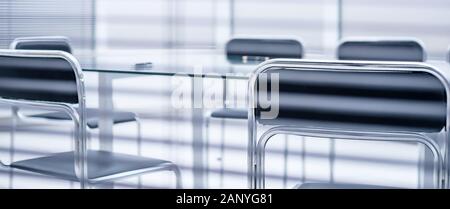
(165, 62)
(200, 63)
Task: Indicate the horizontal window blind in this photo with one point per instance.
(426, 20)
(303, 19)
(74, 19)
(142, 24)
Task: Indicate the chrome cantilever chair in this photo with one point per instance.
(256, 50)
(62, 43)
(61, 72)
(409, 102)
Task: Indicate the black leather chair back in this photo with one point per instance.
(37, 78)
(360, 100)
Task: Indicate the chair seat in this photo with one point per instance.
(102, 165)
(230, 113)
(312, 185)
(92, 117)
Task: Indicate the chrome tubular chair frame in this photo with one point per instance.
(17, 115)
(256, 145)
(78, 118)
(321, 133)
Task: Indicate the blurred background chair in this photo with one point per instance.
(255, 50)
(252, 51)
(57, 77)
(408, 103)
(247, 50)
(61, 43)
(381, 49)
(93, 115)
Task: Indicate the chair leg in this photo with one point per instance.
(14, 120)
(82, 186)
(85, 184)
(332, 159)
(139, 134)
(285, 161)
(207, 121)
(72, 147)
(175, 169)
(222, 152)
(303, 161)
(259, 160)
(139, 146)
(177, 172)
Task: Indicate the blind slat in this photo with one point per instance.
(74, 19)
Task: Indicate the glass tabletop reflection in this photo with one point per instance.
(168, 62)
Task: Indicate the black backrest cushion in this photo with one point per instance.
(37, 78)
(272, 48)
(45, 45)
(381, 51)
(330, 99)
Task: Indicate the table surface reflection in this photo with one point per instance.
(167, 62)
(184, 62)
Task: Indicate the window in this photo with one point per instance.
(426, 20)
(74, 19)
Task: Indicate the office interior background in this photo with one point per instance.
(179, 33)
